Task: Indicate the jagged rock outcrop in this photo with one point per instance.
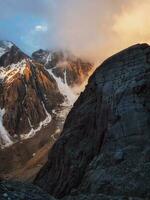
(64, 65)
(105, 145)
(10, 53)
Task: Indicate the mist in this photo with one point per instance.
(97, 29)
(91, 29)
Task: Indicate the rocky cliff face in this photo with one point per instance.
(104, 149)
(10, 190)
(64, 65)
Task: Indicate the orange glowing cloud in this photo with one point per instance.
(96, 29)
(133, 24)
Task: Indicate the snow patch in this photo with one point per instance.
(5, 140)
(64, 88)
(42, 124)
(5, 46)
(49, 58)
(2, 51)
(8, 44)
(10, 71)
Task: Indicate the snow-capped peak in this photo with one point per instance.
(6, 43)
(5, 46)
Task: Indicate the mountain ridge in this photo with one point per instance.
(76, 69)
(34, 103)
(16, 65)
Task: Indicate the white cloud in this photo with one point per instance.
(41, 28)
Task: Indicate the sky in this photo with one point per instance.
(92, 29)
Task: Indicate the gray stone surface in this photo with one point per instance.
(105, 145)
(21, 191)
(10, 190)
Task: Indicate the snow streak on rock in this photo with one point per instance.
(7, 73)
(64, 88)
(5, 140)
(49, 58)
(42, 124)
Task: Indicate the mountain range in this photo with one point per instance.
(33, 91)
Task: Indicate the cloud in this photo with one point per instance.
(93, 29)
(132, 25)
(42, 28)
(80, 26)
(96, 29)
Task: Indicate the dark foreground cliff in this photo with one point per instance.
(103, 152)
(105, 144)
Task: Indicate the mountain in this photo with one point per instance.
(104, 149)
(30, 89)
(28, 94)
(63, 64)
(34, 103)
(10, 53)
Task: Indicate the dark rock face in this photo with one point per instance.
(64, 65)
(20, 191)
(10, 54)
(10, 190)
(40, 56)
(105, 145)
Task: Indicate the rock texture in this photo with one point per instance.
(105, 145)
(27, 97)
(20, 191)
(10, 190)
(64, 65)
(28, 94)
